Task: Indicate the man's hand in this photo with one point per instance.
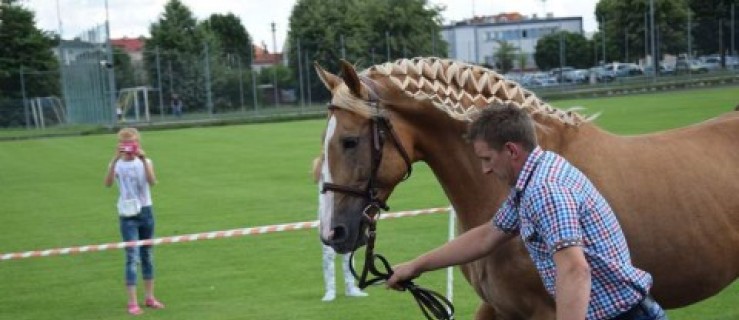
(403, 272)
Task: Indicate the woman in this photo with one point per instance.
(135, 174)
(329, 255)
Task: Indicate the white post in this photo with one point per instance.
(146, 103)
(450, 270)
(136, 104)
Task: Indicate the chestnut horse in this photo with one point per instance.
(675, 193)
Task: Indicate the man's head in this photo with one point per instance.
(503, 135)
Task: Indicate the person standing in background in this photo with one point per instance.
(329, 255)
(177, 105)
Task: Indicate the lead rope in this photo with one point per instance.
(432, 304)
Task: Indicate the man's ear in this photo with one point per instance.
(514, 149)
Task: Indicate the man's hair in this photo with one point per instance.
(501, 123)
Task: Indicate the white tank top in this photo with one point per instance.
(132, 182)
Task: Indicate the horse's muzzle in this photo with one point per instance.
(343, 241)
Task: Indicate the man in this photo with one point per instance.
(569, 229)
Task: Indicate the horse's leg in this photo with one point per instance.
(485, 312)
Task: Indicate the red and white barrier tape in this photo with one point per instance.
(197, 236)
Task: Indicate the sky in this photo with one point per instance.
(131, 18)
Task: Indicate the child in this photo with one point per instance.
(134, 174)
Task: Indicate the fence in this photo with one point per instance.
(96, 83)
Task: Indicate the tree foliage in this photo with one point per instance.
(232, 37)
(505, 56)
(625, 27)
(181, 45)
(578, 51)
(22, 44)
(711, 25)
(23, 47)
(365, 32)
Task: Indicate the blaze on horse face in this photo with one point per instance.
(347, 162)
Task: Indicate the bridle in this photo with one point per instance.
(380, 127)
(430, 302)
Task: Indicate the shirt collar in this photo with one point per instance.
(528, 169)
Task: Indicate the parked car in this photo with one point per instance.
(577, 76)
(624, 69)
(664, 70)
(559, 73)
(690, 66)
(711, 62)
(603, 75)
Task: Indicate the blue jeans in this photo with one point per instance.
(140, 227)
(647, 309)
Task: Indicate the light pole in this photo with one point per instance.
(111, 72)
(654, 53)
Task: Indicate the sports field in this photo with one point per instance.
(219, 178)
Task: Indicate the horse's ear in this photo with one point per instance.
(351, 79)
(329, 80)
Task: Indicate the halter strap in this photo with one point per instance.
(433, 305)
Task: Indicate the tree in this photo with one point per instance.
(23, 46)
(181, 45)
(231, 35)
(625, 27)
(578, 51)
(124, 70)
(711, 24)
(504, 56)
(365, 32)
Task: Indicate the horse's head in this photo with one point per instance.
(365, 157)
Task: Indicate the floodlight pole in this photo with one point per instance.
(111, 72)
(654, 52)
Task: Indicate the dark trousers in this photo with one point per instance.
(647, 309)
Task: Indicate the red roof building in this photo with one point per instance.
(133, 46)
(262, 58)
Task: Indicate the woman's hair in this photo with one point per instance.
(128, 134)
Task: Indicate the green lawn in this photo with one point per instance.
(217, 178)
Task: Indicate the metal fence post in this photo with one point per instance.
(300, 78)
(159, 84)
(253, 79)
(208, 93)
(25, 100)
(307, 79)
(241, 84)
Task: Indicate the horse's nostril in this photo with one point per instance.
(339, 234)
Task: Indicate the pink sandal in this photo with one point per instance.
(134, 309)
(154, 303)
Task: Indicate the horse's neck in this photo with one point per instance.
(474, 195)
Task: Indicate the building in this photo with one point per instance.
(134, 47)
(263, 58)
(477, 39)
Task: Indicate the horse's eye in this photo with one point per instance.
(349, 142)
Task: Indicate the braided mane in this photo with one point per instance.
(460, 89)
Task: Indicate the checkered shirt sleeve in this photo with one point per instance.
(506, 219)
(559, 217)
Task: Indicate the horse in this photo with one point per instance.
(675, 193)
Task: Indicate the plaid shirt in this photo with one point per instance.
(554, 206)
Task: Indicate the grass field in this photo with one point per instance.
(218, 178)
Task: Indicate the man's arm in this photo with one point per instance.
(470, 246)
(573, 283)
